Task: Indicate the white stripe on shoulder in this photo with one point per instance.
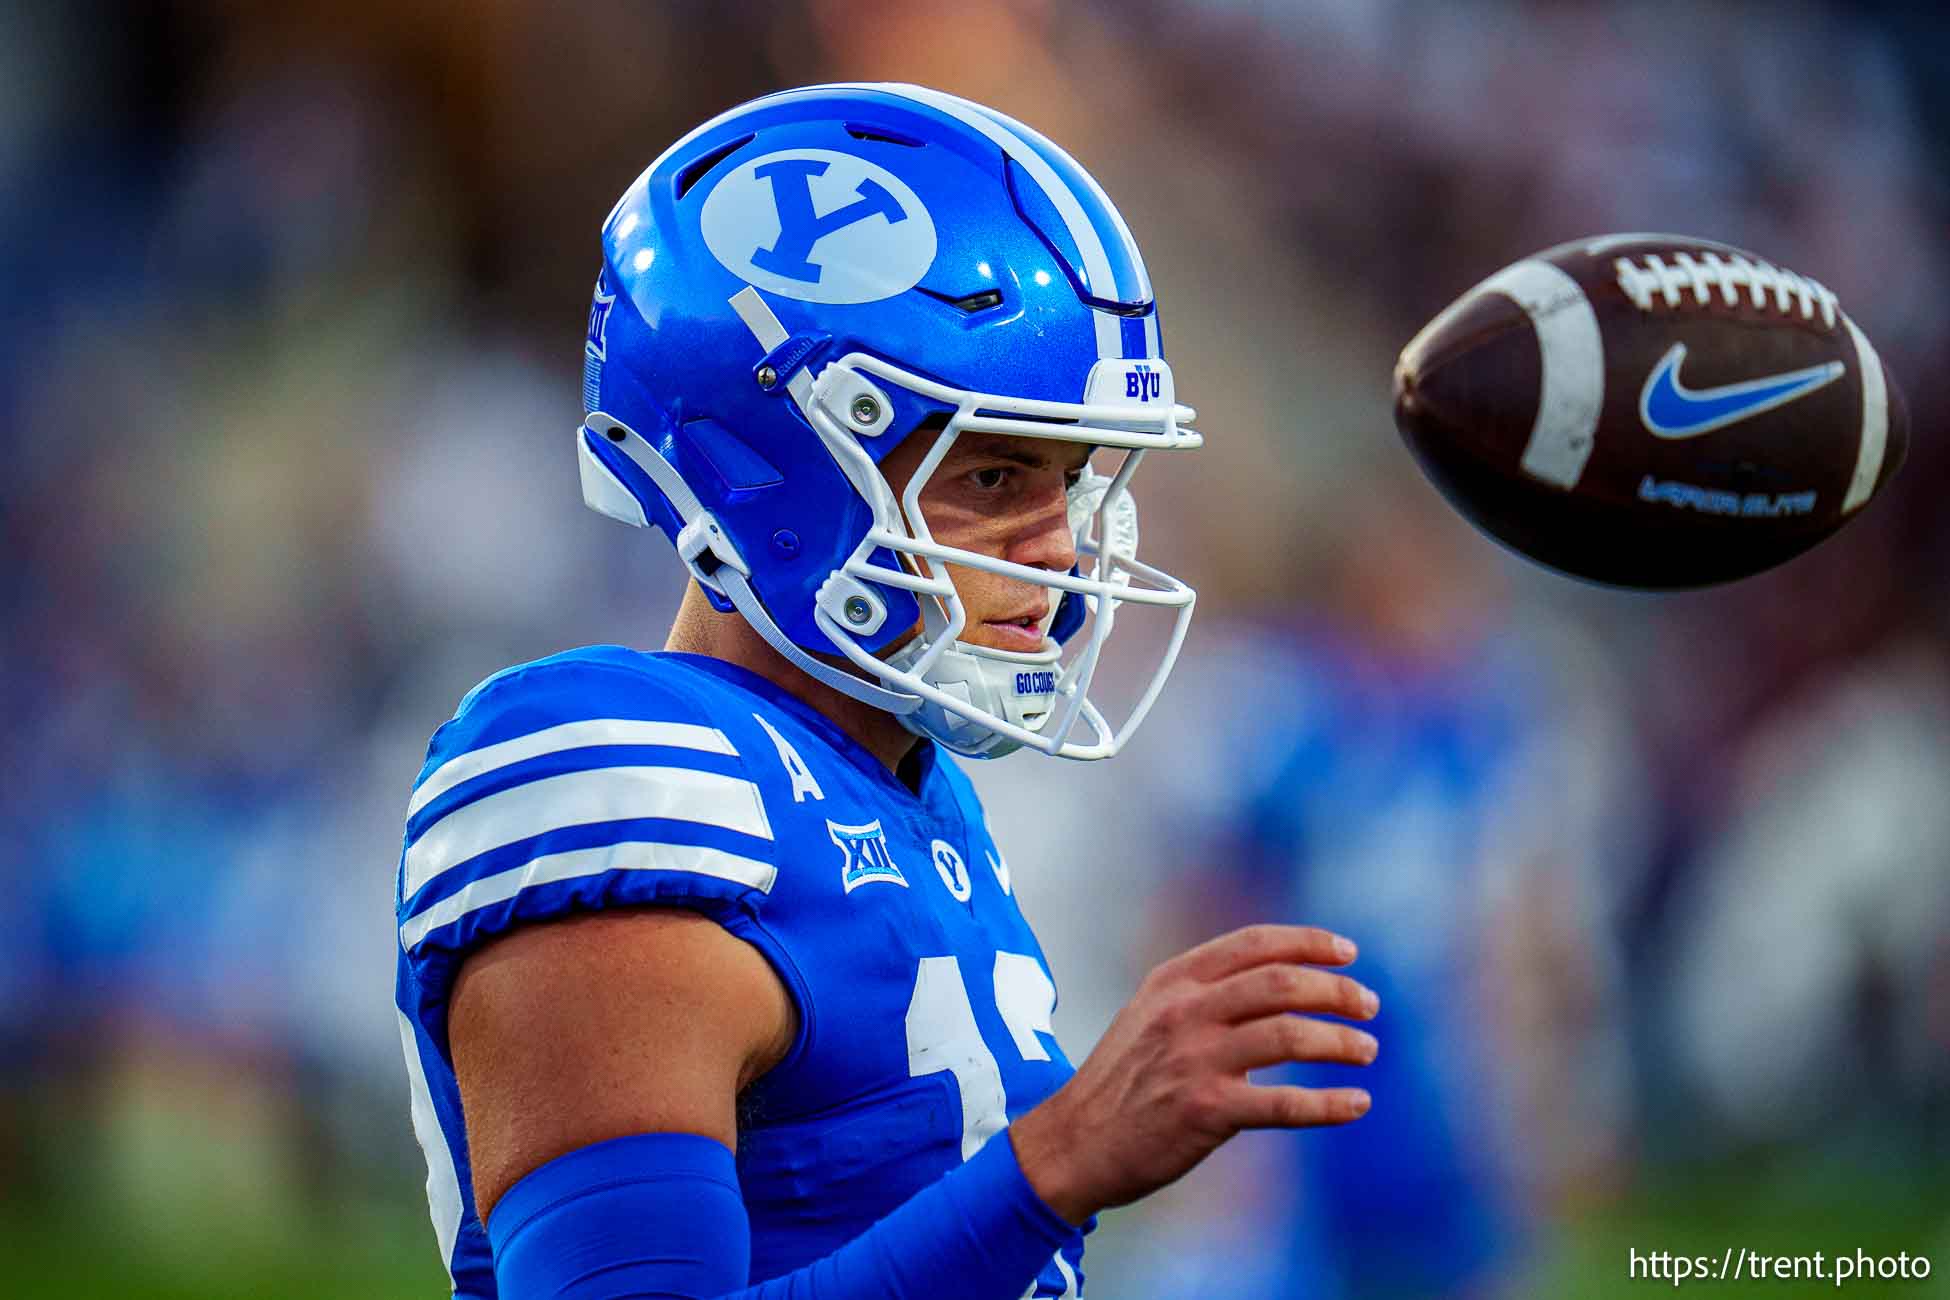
(443, 1178)
(601, 794)
(1096, 262)
(569, 735)
(630, 855)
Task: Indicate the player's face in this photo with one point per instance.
(1003, 497)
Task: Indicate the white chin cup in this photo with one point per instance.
(1019, 688)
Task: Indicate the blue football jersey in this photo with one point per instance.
(608, 777)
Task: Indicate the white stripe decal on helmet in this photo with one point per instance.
(1140, 291)
(1110, 335)
(1090, 245)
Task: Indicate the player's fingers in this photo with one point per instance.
(1264, 990)
(1288, 1106)
(1278, 1039)
(1257, 945)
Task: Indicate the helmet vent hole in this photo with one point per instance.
(694, 170)
(982, 301)
(882, 134)
(1024, 417)
(969, 304)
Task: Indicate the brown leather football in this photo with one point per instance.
(1651, 410)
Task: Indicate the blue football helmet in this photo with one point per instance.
(804, 281)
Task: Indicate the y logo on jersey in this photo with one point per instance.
(953, 871)
(820, 226)
(864, 849)
(1673, 411)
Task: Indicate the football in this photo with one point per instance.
(1651, 410)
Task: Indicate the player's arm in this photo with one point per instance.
(599, 1062)
(647, 1020)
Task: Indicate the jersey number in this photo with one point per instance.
(942, 1035)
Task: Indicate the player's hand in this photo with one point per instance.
(1167, 1084)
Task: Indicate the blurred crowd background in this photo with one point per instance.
(1656, 889)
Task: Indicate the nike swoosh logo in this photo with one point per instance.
(1669, 409)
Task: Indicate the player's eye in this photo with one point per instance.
(992, 478)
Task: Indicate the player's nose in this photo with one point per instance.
(1044, 539)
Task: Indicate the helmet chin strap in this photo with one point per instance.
(770, 332)
(715, 563)
(747, 603)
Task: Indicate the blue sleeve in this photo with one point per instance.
(584, 781)
(659, 1217)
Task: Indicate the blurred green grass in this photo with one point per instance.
(175, 1178)
(383, 1249)
(370, 1252)
(1776, 1206)
(171, 1175)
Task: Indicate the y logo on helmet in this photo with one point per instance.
(1143, 383)
(820, 226)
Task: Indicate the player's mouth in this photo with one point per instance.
(1021, 631)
